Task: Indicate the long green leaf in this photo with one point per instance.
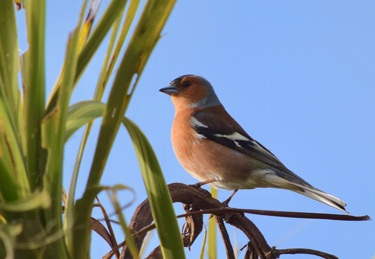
(8, 184)
(93, 43)
(69, 206)
(33, 70)
(98, 34)
(53, 125)
(8, 233)
(101, 85)
(133, 7)
(33, 201)
(80, 114)
(53, 132)
(128, 234)
(203, 249)
(212, 231)
(13, 178)
(140, 47)
(158, 194)
(9, 60)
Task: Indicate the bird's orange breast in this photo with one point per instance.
(205, 159)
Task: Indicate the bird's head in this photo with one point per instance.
(191, 91)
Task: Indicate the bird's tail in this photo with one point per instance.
(321, 196)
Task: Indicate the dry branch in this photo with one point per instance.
(198, 201)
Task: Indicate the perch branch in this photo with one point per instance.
(198, 201)
(225, 236)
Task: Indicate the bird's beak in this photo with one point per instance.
(170, 90)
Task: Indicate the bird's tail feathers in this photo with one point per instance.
(320, 196)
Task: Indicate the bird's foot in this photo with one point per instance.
(200, 184)
(226, 202)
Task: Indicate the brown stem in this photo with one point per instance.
(279, 252)
(109, 226)
(198, 201)
(155, 254)
(285, 214)
(250, 254)
(225, 236)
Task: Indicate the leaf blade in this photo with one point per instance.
(33, 72)
(158, 194)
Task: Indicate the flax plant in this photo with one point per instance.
(33, 131)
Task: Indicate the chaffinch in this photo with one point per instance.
(215, 149)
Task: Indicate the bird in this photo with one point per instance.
(216, 150)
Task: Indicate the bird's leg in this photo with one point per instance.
(198, 185)
(226, 202)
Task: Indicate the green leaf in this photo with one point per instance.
(53, 130)
(14, 182)
(9, 60)
(158, 194)
(33, 69)
(212, 231)
(53, 133)
(69, 206)
(105, 71)
(98, 34)
(33, 201)
(133, 7)
(139, 49)
(8, 233)
(101, 29)
(80, 114)
(8, 183)
(128, 234)
(13, 178)
(203, 244)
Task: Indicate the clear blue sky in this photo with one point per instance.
(297, 75)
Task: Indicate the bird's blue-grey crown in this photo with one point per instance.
(210, 100)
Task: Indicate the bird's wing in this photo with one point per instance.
(217, 125)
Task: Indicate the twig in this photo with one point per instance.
(109, 226)
(114, 250)
(202, 202)
(250, 254)
(285, 214)
(155, 254)
(279, 252)
(225, 236)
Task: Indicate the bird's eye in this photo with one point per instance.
(186, 83)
